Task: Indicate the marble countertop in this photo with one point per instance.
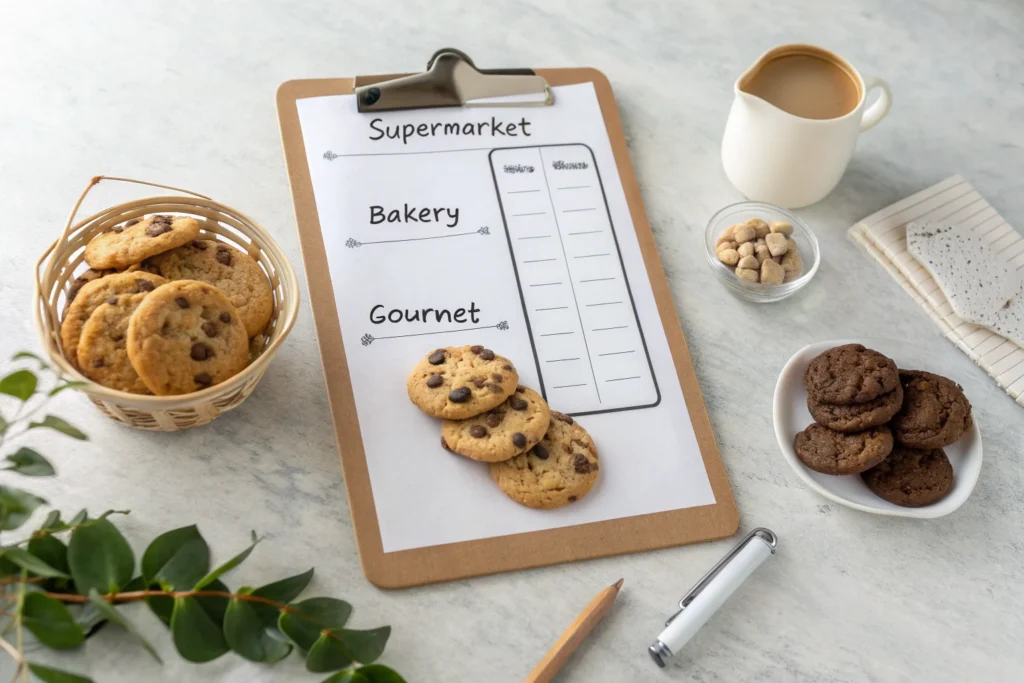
(183, 93)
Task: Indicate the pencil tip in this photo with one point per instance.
(618, 584)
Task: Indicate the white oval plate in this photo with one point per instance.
(791, 416)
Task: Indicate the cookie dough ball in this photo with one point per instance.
(729, 257)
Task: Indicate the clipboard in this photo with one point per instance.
(452, 80)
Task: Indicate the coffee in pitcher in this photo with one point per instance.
(809, 85)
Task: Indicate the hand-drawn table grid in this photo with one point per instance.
(589, 346)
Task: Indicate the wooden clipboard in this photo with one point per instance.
(491, 555)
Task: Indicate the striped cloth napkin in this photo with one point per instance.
(884, 235)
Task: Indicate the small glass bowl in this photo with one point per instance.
(806, 243)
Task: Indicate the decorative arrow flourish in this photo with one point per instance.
(368, 339)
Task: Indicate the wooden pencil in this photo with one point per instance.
(567, 643)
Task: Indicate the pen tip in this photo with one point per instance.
(618, 584)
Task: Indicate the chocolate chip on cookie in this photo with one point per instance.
(831, 452)
(935, 411)
(559, 470)
(460, 394)
(911, 477)
(501, 433)
(856, 416)
(850, 374)
(467, 387)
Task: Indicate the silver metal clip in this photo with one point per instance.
(452, 80)
(767, 536)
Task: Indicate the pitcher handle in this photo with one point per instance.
(877, 111)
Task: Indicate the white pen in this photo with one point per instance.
(711, 592)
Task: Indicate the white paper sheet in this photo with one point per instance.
(507, 228)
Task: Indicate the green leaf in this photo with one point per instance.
(80, 518)
(227, 566)
(28, 462)
(136, 584)
(304, 620)
(51, 622)
(26, 560)
(52, 551)
(111, 614)
(54, 422)
(245, 633)
(363, 646)
(4, 424)
(20, 384)
(52, 521)
(327, 654)
(196, 636)
(100, 558)
(347, 676)
(176, 559)
(28, 355)
(162, 606)
(51, 675)
(337, 648)
(283, 591)
(65, 385)
(16, 507)
(378, 673)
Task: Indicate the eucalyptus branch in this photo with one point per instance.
(19, 630)
(131, 596)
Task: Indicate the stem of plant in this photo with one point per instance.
(18, 631)
(141, 595)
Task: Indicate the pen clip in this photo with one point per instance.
(767, 536)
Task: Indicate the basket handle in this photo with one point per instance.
(70, 224)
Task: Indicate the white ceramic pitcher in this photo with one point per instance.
(773, 156)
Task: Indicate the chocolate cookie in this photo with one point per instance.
(850, 374)
(831, 452)
(236, 274)
(127, 244)
(186, 336)
(911, 477)
(515, 426)
(89, 298)
(459, 382)
(102, 349)
(559, 470)
(935, 411)
(856, 416)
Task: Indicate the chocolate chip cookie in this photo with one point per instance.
(911, 477)
(186, 336)
(236, 274)
(831, 452)
(856, 416)
(559, 470)
(850, 374)
(125, 245)
(513, 427)
(89, 298)
(935, 411)
(459, 382)
(102, 349)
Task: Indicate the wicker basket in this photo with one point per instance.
(63, 261)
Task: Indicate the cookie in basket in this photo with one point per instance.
(458, 382)
(515, 426)
(559, 470)
(91, 296)
(128, 244)
(102, 348)
(235, 273)
(186, 336)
